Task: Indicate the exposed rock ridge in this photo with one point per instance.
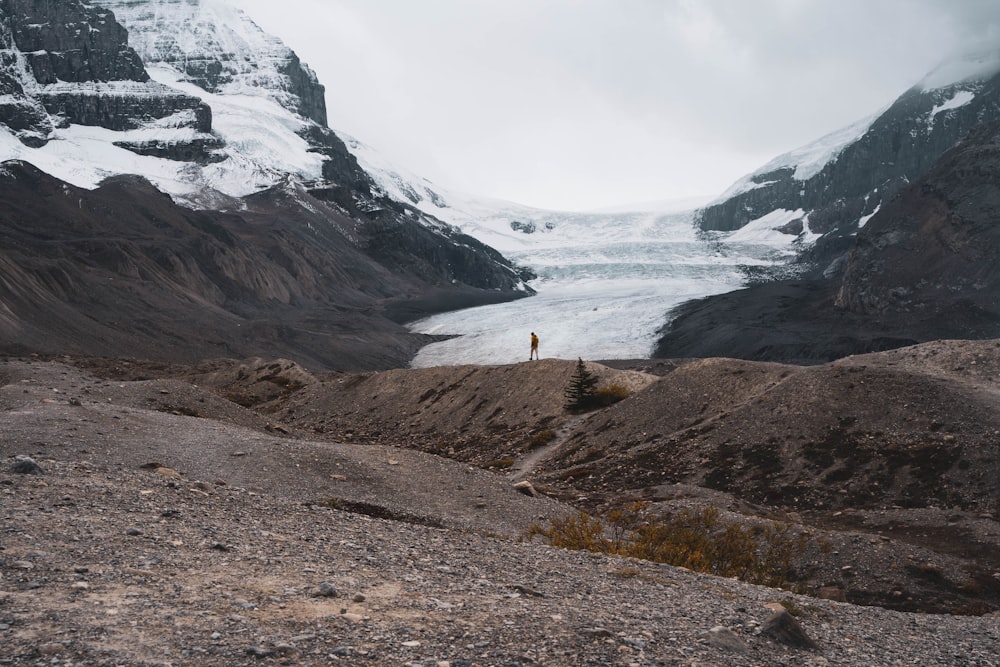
(68, 62)
(220, 49)
(937, 245)
(898, 148)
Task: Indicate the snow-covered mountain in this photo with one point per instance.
(218, 48)
(200, 100)
(280, 232)
(825, 191)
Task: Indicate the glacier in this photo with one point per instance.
(606, 284)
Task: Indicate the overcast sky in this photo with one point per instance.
(589, 103)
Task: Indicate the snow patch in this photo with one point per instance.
(764, 230)
(959, 99)
(865, 218)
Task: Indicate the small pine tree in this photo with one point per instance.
(582, 387)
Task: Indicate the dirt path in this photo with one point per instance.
(525, 465)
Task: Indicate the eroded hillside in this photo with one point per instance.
(889, 463)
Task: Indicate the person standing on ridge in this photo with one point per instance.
(534, 347)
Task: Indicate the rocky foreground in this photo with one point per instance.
(168, 524)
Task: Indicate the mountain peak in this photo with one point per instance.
(217, 47)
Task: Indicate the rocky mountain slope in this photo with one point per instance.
(123, 271)
(922, 268)
(836, 184)
(933, 253)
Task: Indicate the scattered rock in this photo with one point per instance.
(204, 487)
(596, 633)
(51, 648)
(25, 465)
(832, 593)
(726, 640)
(259, 652)
(325, 590)
(784, 628)
(527, 488)
(527, 591)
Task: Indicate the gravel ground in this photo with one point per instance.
(101, 567)
(170, 527)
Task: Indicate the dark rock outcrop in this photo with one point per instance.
(71, 41)
(123, 271)
(937, 245)
(122, 107)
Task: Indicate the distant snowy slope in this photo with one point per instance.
(515, 229)
(975, 66)
(841, 180)
(806, 161)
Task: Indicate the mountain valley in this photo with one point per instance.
(215, 452)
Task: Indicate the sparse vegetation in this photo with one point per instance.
(582, 393)
(697, 540)
(541, 438)
(610, 395)
(582, 387)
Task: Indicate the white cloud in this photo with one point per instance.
(585, 103)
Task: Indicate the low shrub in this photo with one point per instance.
(541, 438)
(695, 539)
(610, 395)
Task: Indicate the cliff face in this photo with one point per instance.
(864, 166)
(220, 49)
(936, 247)
(70, 41)
(68, 62)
